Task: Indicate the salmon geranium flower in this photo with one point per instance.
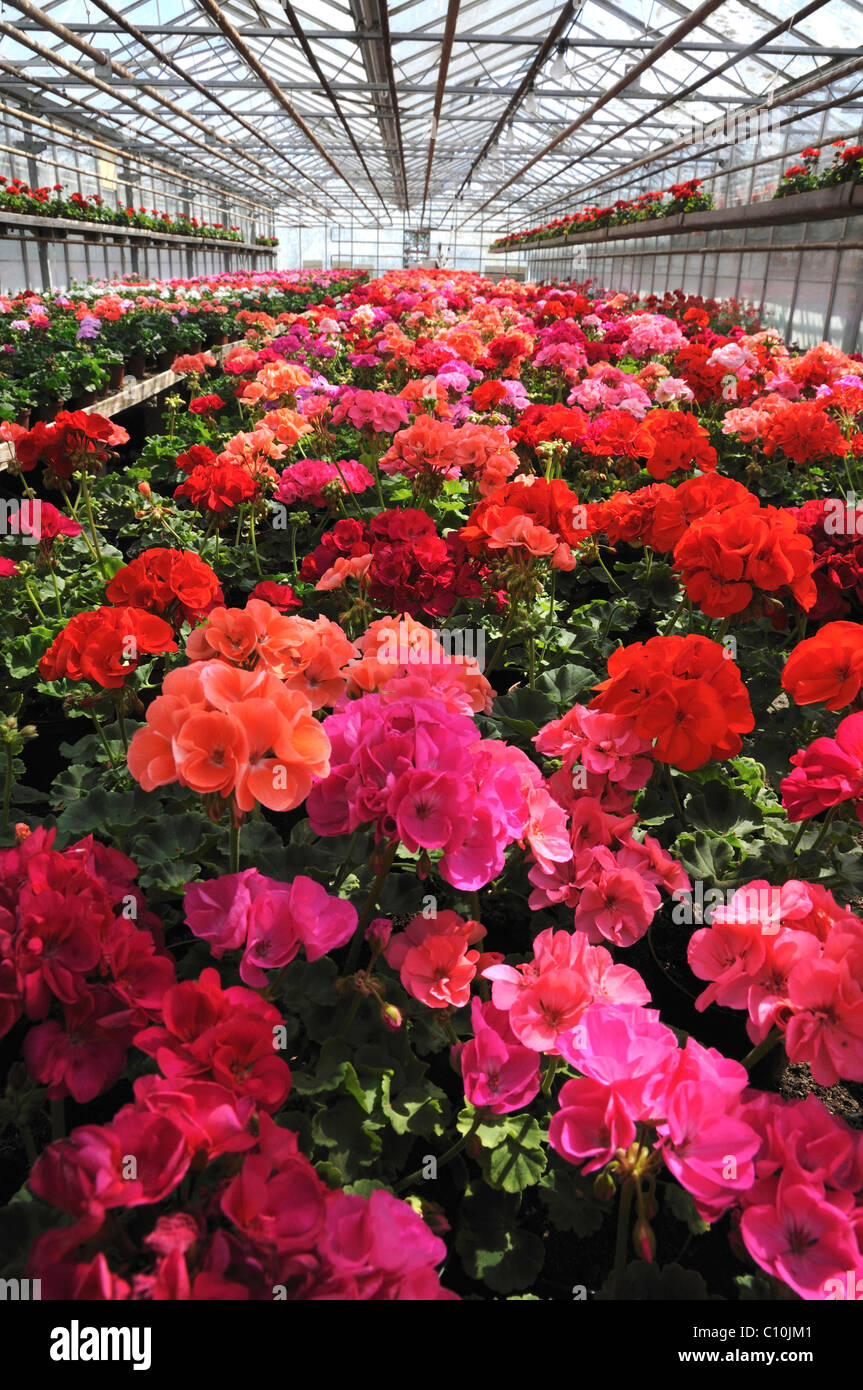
(229, 733)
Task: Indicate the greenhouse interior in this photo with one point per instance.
(431, 572)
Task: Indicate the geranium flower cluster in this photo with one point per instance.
(790, 956)
(827, 773)
(73, 440)
(307, 656)
(405, 657)
(435, 450)
(81, 957)
(667, 441)
(730, 561)
(106, 646)
(548, 995)
(230, 733)
(275, 1230)
(685, 694)
(319, 483)
(402, 561)
(799, 431)
(800, 1219)
(374, 412)
(529, 517)
(827, 668)
(434, 958)
(267, 920)
(836, 531)
(688, 1100)
(422, 775)
(175, 584)
(241, 473)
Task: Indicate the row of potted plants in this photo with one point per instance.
(680, 197)
(17, 197)
(845, 167)
(76, 346)
(805, 176)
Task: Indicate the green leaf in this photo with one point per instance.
(345, 1130)
(416, 1109)
(21, 1224)
(682, 1205)
(758, 1288)
(723, 811)
(334, 1072)
(703, 856)
(494, 1249)
(570, 1201)
(652, 1283)
(566, 685)
(24, 653)
(512, 1156)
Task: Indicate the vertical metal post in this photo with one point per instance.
(41, 246)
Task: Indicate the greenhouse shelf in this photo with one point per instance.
(818, 205)
(57, 229)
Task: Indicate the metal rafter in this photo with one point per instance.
(224, 24)
(368, 74)
(303, 41)
(686, 26)
(189, 81)
(752, 49)
(94, 54)
(446, 53)
(564, 19)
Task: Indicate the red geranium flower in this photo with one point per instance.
(105, 646)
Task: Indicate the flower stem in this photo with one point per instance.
(548, 1078)
(88, 504)
(825, 827)
(29, 1145)
(254, 541)
(609, 576)
(672, 622)
(345, 864)
(105, 744)
(674, 796)
(234, 849)
(33, 599)
(354, 503)
(7, 786)
(623, 1214)
(752, 1058)
(445, 1157)
(501, 646)
(369, 907)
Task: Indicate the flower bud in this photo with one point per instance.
(22, 830)
(604, 1186)
(644, 1241)
(391, 1017)
(378, 933)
